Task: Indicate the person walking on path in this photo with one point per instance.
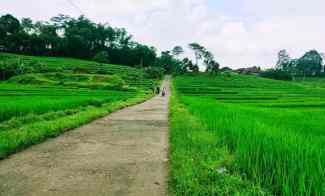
(163, 92)
(158, 90)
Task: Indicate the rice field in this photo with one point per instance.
(274, 130)
(54, 70)
(20, 100)
(55, 95)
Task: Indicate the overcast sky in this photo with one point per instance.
(239, 32)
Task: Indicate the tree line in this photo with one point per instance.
(311, 64)
(177, 65)
(80, 37)
(73, 37)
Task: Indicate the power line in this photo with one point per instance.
(76, 7)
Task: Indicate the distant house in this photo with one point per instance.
(249, 70)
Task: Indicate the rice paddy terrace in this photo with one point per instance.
(274, 131)
(50, 90)
(132, 77)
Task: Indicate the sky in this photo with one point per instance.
(240, 33)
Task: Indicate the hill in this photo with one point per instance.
(12, 64)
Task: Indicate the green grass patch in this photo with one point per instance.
(200, 164)
(54, 124)
(23, 100)
(42, 97)
(273, 129)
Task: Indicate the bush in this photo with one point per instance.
(38, 67)
(9, 69)
(154, 72)
(276, 74)
(102, 57)
(95, 102)
(30, 79)
(80, 70)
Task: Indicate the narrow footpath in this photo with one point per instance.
(125, 153)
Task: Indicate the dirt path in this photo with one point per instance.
(124, 153)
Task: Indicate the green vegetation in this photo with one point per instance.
(82, 38)
(21, 132)
(311, 64)
(73, 37)
(45, 96)
(74, 73)
(16, 101)
(230, 134)
(271, 131)
(200, 163)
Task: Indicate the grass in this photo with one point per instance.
(31, 99)
(55, 95)
(273, 130)
(47, 66)
(200, 164)
(16, 139)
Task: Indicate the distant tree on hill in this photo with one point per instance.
(276, 74)
(284, 60)
(255, 70)
(187, 65)
(73, 37)
(323, 58)
(10, 28)
(168, 62)
(102, 57)
(310, 64)
(211, 64)
(198, 51)
(177, 50)
(27, 25)
(82, 38)
(9, 25)
(224, 69)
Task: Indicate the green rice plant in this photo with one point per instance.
(276, 143)
(199, 164)
(15, 103)
(52, 125)
(57, 94)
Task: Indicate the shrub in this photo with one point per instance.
(276, 74)
(95, 102)
(30, 79)
(154, 72)
(9, 69)
(102, 57)
(80, 70)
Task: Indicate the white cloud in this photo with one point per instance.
(251, 34)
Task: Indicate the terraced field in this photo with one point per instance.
(132, 77)
(273, 132)
(18, 100)
(53, 95)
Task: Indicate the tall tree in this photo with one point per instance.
(27, 25)
(323, 58)
(81, 38)
(284, 60)
(166, 61)
(198, 51)
(9, 33)
(310, 64)
(177, 50)
(211, 64)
